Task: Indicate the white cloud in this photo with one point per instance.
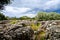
(52, 4)
(43, 4)
(21, 6)
(29, 3)
(18, 12)
(16, 9)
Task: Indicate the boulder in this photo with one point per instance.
(17, 33)
(53, 33)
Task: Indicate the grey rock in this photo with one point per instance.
(53, 33)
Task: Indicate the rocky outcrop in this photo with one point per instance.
(17, 33)
(53, 33)
(22, 31)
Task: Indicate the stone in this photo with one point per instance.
(53, 33)
(17, 33)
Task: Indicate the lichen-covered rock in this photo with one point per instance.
(53, 33)
(17, 33)
(21, 30)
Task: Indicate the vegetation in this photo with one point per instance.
(12, 18)
(42, 16)
(13, 21)
(3, 3)
(35, 26)
(2, 17)
(24, 18)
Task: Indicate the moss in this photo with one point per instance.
(13, 22)
(35, 26)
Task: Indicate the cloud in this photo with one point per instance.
(42, 4)
(52, 4)
(16, 9)
(29, 3)
(29, 8)
(18, 12)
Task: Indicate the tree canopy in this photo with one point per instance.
(41, 16)
(3, 3)
(2, 17)
(24, 18)
(47, 16)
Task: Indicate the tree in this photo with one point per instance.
(47, 16)
(13, 18)
(2, 17)
(24, 18)
(3, 3)
(54, 16)
(41, 16)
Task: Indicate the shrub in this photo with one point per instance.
(35, 26)
(43, 16)
(2, 17)
(13, 22)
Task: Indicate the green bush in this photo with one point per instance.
(13, 21)
(42, 16)
(2, 17)
(24, 18)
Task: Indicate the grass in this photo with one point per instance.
(40, 36)
(13, 22)
(35, 26)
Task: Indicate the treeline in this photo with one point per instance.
(2, 17)
(41, 16)
(47, 16)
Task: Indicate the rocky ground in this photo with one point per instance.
(21, 30)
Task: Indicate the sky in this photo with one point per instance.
(30, 8)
